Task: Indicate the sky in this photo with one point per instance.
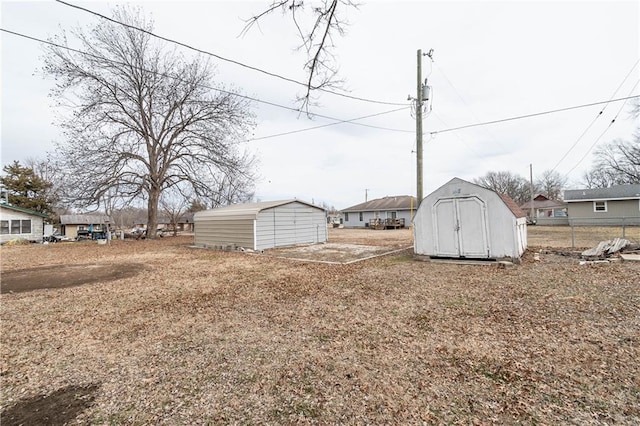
(491, 61)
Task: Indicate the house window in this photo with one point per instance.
(346, 217)
(600, 206)
(394, 215)
(26, 226)
(4, 227)
(361, 219)
(15, 226)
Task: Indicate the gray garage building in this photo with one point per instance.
(464, 220)
(260, 226)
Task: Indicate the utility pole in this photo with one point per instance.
(422, 94)
(419, 130)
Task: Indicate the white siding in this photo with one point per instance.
(504, 234)
(261, 226)
(36, 231)
(290, 224)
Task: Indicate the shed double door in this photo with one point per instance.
(460, 227)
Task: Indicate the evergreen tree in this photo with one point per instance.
(26, 189)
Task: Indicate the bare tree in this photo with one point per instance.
(507, 183)
(317, 25)
(550, 184)
(174, 204)
(144, 119)
(621, 159)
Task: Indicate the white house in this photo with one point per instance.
(19, 223)
(464, 220)
(260, 226)
(392, 211)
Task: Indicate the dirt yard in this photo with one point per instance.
(156, 332)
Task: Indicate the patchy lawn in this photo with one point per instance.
(201, 337)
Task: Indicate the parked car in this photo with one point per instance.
(83, 234)
(56, 237)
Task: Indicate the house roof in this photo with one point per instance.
(617, 192)
(84, 219)
(22, 210)
(245, 211)
(397, 202)
(543, 203)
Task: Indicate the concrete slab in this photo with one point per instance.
(630, 257)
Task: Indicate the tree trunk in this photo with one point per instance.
(152, 208)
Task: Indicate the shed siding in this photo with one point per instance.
(37, 226)
(506, 234)
(217, 232)
(616, 210)
(290, 224)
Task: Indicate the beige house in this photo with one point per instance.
(72, 223)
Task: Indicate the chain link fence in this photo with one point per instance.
(583, 232)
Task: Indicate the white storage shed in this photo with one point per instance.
(260, 226)
(464, 220)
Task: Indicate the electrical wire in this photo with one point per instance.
(520, 117)
(325, 116)
(603, 133)
(222, 58)
(473, 115)
(333, 124)
(595, 118)
(338, 120)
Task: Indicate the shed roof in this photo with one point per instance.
(617, 192)
(84, 219)
(23, 210)
(511, 205)
(394, 202)
(246, 211)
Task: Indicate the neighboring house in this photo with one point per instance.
(617, 205)
(70, 224)
(183, 224)
(464, 220)
(544, 207)
(260, 226)
(397, 210)
(546, 211)
(19, 223)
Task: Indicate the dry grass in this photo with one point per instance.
(202, 337)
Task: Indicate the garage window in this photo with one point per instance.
(600, 206)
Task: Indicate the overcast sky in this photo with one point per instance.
(491, 61)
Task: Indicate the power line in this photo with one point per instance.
(605, 131)
(596, 117)
(351, 121)
(321, 115)
(232, 61)
(534, 114)
(336, 123)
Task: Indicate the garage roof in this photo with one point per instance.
(245, 211)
